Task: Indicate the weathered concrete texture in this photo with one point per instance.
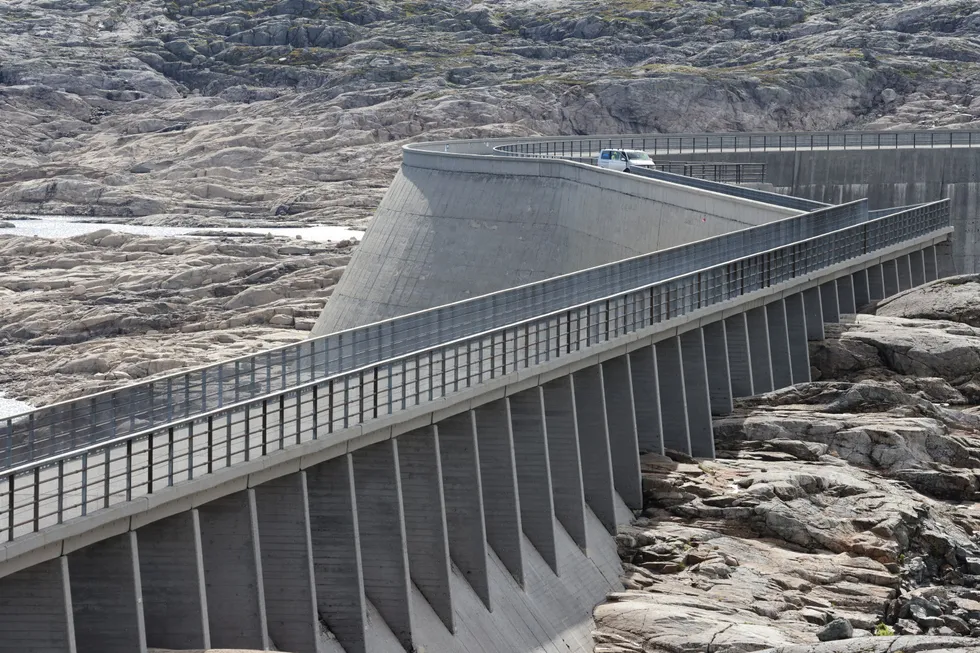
(425, 520)
(534, 472)
(463, 494)
(441, 235)
(887, 177)
(231, 575)
(174, 602)
(381, 524)
(336, 552)
(501, 506)
(35, 610)
(106, 598)
(287, 563)
(597, 476)
(564, 458)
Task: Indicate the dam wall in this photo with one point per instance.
(886, 177)
(454, 226)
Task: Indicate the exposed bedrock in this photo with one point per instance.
(840, 515)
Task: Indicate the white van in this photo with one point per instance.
(624, 159)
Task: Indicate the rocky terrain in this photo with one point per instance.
(85, 313)
(295, 109)
(840, 515)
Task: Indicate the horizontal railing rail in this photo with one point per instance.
(43, 493)
(725, 173)
(666, 144)
(99, 417)
(786, 201)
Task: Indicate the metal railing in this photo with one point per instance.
(665, 144)
(775, 199)
(51, 430)
(725, 173)
(43, 493)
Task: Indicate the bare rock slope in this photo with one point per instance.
(840, 515)
(82, 314)
(265, 108)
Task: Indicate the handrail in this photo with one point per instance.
(139, 463)
(103, 416)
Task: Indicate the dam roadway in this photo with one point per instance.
(446, 479)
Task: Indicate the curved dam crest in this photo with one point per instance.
(459, 226)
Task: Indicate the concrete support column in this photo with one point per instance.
(593, 433)
(172, 571)
(534, 472)
(830, 301)
(931, 263)
(287, 563)
(420, 465)
(236, 610)
(799, 350)
(862, 289)
(813, 308)
(904, 265)
(621, 417)
(889, 270)
(36, 609)
(759, 348)
(673, 400)
(876, 282)
(716, 361)
(501, 504)
(944, 259)
(917, 262)
(846, 301)
(739, 355)
(646, 399)
(782, 374)
(696, 393)
(381, 524)
(561, 427)
(335, 539)
(106, 596)
(463, 493)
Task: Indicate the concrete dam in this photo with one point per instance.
(446, 471)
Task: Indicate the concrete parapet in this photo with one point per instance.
(442, 232)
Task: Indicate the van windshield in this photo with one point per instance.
(637, 156)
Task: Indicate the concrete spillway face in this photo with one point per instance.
(453, 227)
(887, 178)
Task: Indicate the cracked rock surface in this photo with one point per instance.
(840, 515)
(83, 314)
(295, 110)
